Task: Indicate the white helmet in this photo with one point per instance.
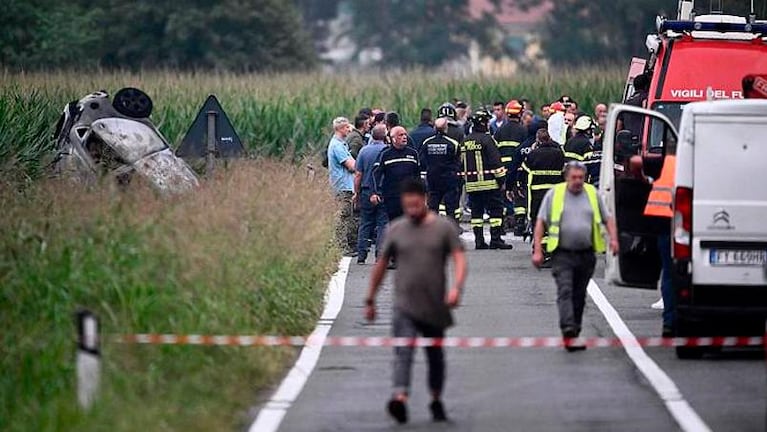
(583, 123)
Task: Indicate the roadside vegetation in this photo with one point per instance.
(275, 115)
(249, 252)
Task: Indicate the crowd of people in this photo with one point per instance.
(533, 173)
(494, 164)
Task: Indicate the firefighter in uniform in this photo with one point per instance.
(541, 170)
(440, 160)
(579, 145)
(659, 205)
(510, 137)
(485, 179)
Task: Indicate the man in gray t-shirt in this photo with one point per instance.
(422, 242)
(575, 243)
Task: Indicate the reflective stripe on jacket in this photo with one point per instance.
(661, 198)
(558, 207)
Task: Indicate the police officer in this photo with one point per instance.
(440, 160)
(542, 169)
(510, 137)
(580, 143)
(485, 179)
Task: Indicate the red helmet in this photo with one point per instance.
(514, 108)
(557, 106)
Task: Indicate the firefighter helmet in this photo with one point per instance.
(514, 108)
(447, 110)
(557, 107)
(583, 123)
(481, 118)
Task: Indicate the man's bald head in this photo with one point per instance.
(398, 136)
(441, 124)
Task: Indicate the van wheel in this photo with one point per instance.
(690, 353)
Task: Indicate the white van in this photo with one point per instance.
(719, 229)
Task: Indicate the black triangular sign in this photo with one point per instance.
(194, 144)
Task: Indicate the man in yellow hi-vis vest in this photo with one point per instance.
(574, 215)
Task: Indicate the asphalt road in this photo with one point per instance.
(546, 389)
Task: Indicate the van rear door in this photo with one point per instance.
(729, 218)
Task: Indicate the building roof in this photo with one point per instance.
(510, 13)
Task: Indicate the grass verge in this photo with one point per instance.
(246, 253)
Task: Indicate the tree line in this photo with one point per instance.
(278, 35)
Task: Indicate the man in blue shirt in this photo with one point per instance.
(373, 215)
(341, 175)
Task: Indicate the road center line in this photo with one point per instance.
(273, 412)
(685, 416)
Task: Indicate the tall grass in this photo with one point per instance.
(229, 258)
(276, 114)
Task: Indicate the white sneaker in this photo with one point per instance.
(658, 305)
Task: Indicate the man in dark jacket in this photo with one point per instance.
(395, 164)
(485, 178)
(440, 160)
(356, 138)
(509, 138)
(424, 130)
(580, 143)
(542, 170)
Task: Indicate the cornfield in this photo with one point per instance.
(275, 115)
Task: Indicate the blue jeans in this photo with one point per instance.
(666, 286)
(373, 219)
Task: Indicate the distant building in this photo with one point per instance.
(517, 39)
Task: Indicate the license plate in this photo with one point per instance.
(729, 257)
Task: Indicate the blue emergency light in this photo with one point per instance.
(689, 26)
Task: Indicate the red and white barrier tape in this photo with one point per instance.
(451, 342)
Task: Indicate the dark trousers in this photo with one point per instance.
(373, 220)
(572, 272)
(666, 288)
(393, 205)
(450, 194)
(491, 202)
(346, 224)
(405, 327)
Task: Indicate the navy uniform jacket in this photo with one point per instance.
(440, 158)
(394, 166)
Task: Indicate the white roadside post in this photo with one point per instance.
(88, 358)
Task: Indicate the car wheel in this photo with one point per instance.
(132, 102)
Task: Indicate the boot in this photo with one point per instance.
(520, 223)
(479, 238)
(496, 242)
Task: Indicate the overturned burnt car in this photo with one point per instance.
(97, 138)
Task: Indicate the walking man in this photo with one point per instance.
(373, 216)
(341, 175)
(574, 215)
(422, 242)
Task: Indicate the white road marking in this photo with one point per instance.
(271, 415)
(685, 416)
